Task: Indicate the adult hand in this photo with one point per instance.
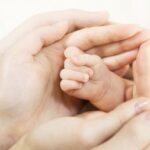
(76, 19)
(141, 71)
(30, 65)
(128, 130)
(107, 51)
(91, 130)
(26, 70)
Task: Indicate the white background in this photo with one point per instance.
(13, 12)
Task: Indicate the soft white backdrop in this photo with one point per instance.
(13, 12)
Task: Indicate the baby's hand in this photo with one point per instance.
(86, 77)
(79, 70)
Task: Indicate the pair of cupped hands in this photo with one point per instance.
(37, 115)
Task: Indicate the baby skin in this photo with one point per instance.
(85, 76)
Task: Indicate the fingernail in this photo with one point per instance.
(140, 106)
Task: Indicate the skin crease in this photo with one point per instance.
(113, 44)
(131, 126)
(33, 60)
(126, 124)
(46, 110)
(89, 84)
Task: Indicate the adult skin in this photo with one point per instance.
(33, 56)
(35, 26)
(126, 127)
(107, 52)
(141, 71)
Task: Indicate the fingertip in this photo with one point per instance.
(61, 73)
(62, 28)
(68, 85)
(130, 29)
(72, 51)
(63, 85)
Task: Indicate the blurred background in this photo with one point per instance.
(13, 12)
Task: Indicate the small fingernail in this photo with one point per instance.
(140, 106)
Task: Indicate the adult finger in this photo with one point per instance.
(44, 36)
(121, 60)
(96, 36)
(76, 19)
(133, 136)
(103, 127)
(115, 48)
(72, 52)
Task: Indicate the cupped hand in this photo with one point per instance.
(27, 71)
(31, 59)
(123, 128)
